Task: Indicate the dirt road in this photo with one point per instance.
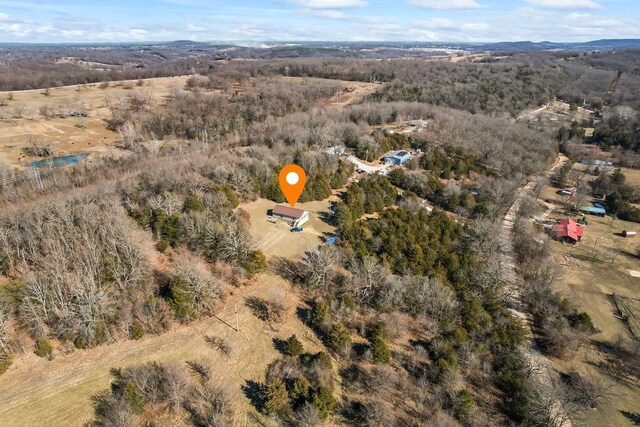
(541, 367)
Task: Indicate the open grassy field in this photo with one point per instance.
(591, 271)
(21, 118)
(632, 176)
(276, 239)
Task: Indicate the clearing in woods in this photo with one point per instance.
(590, 273)
(61, 389)
(276, 239)
(21, 118)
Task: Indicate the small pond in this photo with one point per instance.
(57, 162)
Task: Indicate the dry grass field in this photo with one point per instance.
(276, 239)
(590, 272)
(61, 389)
(21, 118)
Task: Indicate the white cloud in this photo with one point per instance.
(4, 17)
(565, 4)
(325, 13)
(439, 24)
(193, 27)
(446, 5)
(475, 26)
(329, 4)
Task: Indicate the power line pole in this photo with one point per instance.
(593, 254)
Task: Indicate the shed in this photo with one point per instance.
(593, 210)
(397, 157)
(296, 216)
(627, 233)
(568, 230)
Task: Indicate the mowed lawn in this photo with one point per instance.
(588, 284)
(276, 239)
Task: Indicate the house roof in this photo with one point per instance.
(398, 155)
(592, 209)
(568, 228)
(288, 212)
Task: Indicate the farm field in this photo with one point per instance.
(20, 118)
(590, 273)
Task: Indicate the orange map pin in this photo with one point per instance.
(292, 179)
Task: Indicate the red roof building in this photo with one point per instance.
(568, 230)
(295, 216)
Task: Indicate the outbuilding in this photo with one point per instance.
(593, 210)
(568, 231)
(397, 157)
(296, 216)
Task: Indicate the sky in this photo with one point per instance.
(317, 20)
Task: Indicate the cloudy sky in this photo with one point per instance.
(302, 20)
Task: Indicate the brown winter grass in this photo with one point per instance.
(276, 239)
(38, 392)
(72, 134)
(598, 267)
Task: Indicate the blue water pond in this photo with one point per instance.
(57, 162)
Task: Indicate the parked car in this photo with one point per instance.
(297, 230)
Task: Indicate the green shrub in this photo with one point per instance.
(299, 391)
(43, 348)
(136, 331)
(319, 313)
(379, 348)
(193, 204)
(323, 360)
(162, 245)
(463, 405)
(293, 346)
(133, 397)
(5, 361)
(275, 398)
(256, 263)
(323, 401)
(581, 321)
(339, 337)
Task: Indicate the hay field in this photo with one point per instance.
(21, 118)
(590, 272)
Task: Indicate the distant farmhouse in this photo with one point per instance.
(397, 157)
(601, 165)
(296, 216)
(568, 231)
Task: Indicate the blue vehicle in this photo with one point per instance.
(297, 230)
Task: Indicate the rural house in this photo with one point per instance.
(397, 158)
(296, 216)
(568, 231)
